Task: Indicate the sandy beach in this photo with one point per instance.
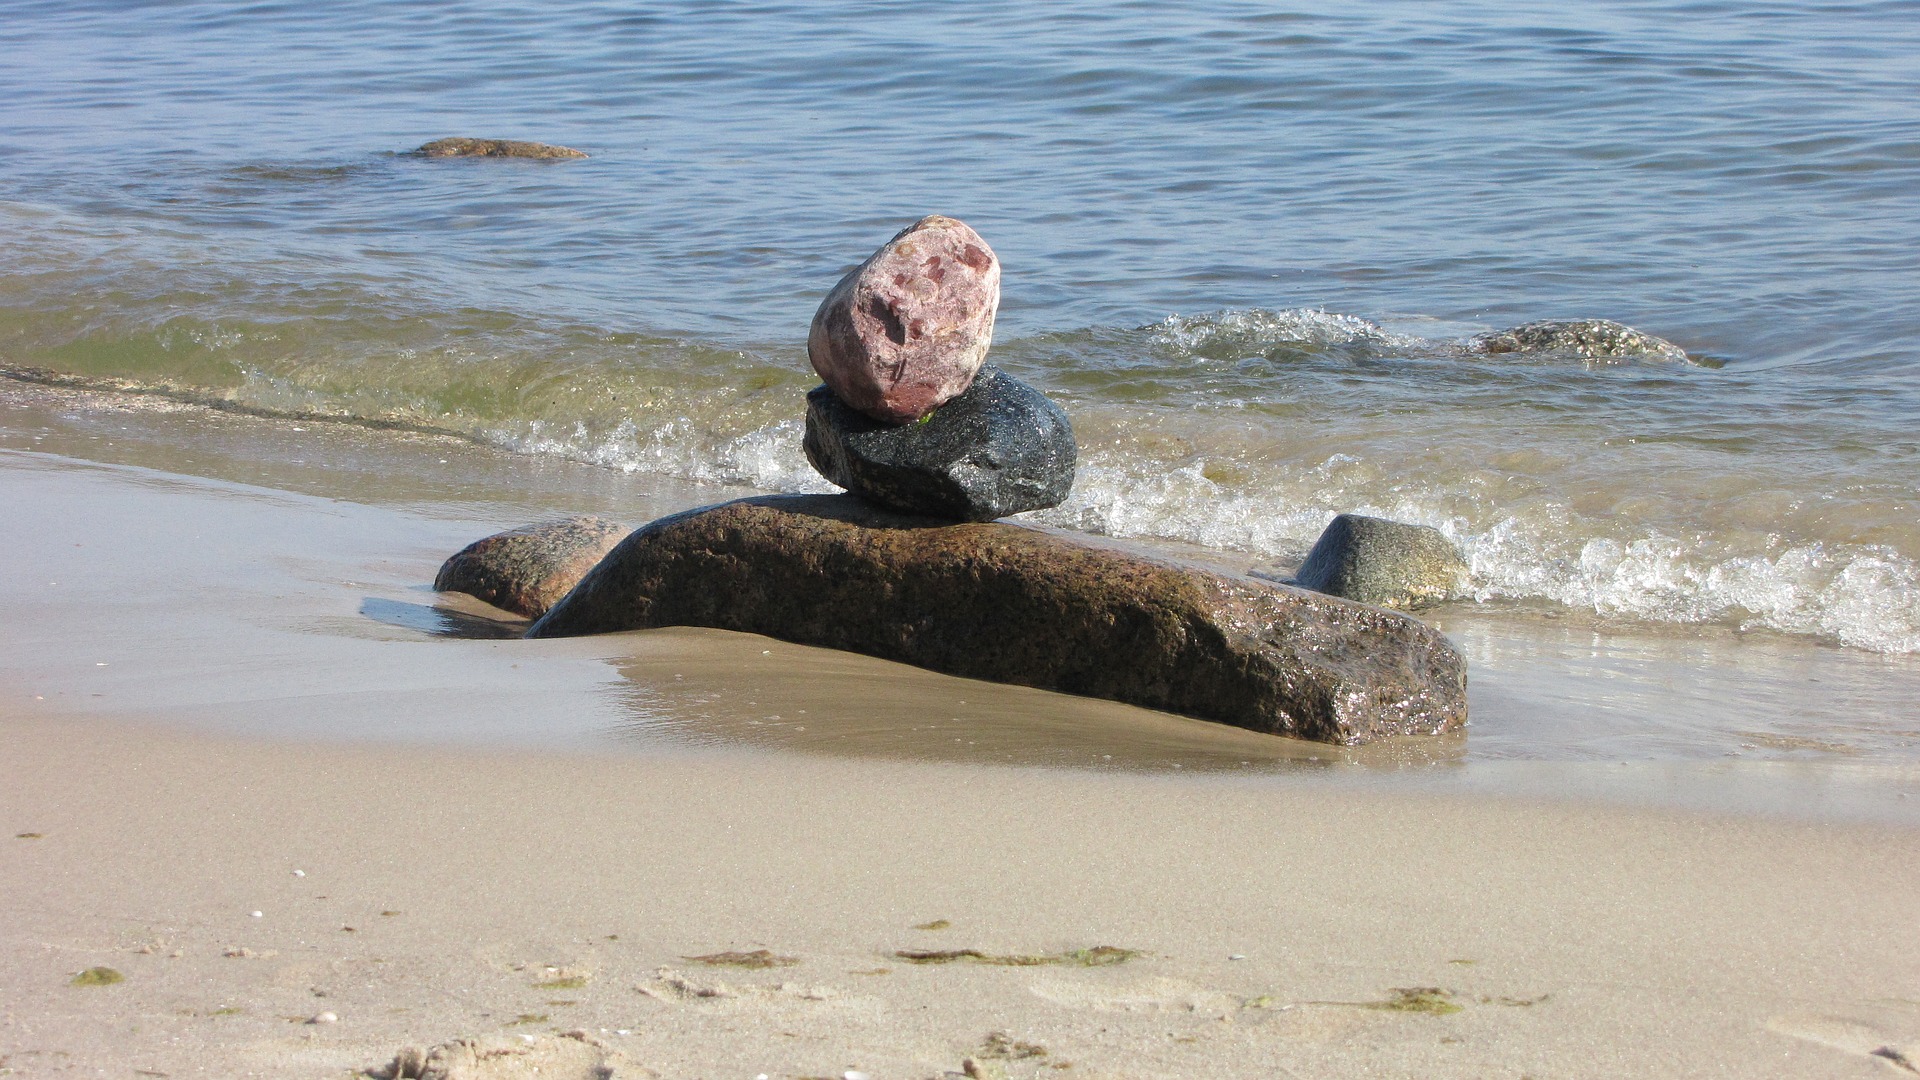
(422, 895)
(259, 771)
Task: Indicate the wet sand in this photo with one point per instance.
(226, 689)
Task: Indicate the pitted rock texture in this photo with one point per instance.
(526, 570)
(998, 449)
(1390, 563)
(1018, 605)
(908, 329)
(461, 147)
(1589, 339)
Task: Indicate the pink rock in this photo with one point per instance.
(908, 329)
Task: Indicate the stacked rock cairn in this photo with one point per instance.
(911, 417)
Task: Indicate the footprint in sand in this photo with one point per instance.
(1146, 995)
(573, 1056)
(1848, 1037)
(676, 988)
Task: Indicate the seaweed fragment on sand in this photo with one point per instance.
(98, 976)
(1098, 956)
(1889, 1053)
(565, 982)
(758, 958)
(1431, 1000)
(1004, 1047)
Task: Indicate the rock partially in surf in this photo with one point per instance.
(1389, 563)
(907, 330)
(527, 570)
(999, 448)
(1589, 339)
(1019, 605)
(497, 148)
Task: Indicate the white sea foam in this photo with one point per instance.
(767, 458)
(1255, 328)
(1864, 596)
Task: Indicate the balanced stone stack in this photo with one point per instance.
(912, 567)
(910, 418)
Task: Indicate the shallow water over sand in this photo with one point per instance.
(213, 200)
(270, 577)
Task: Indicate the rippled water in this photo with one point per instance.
(1241, 245)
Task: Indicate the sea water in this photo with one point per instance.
(1243, 245)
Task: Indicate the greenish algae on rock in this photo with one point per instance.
(1389, 563)
(1599, 340)
(98, 976)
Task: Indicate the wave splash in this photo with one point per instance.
(1240, 431)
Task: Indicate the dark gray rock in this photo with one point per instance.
(526, 570)
(1020, 605)
(997, 449)
(1389, 563)
(1589, 339)
(463, 147)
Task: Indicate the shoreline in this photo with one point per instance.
(223, 665)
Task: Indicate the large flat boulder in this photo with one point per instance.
(1014, 604)
(1000, 448)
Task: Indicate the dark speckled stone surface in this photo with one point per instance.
(998, 449)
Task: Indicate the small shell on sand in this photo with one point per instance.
(324, 1018)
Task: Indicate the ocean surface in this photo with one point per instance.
(1242, 245)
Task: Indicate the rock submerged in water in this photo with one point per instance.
(507, 148)
(999, 448)
(1017, 605)
(527, 570)
(907, 330)
(1589, 339)
(1389, 563)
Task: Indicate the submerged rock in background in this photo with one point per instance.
(461, 147)
(999, 448)
(1590, 339)
(526, 570)
(1018, 605)
(908, 329)
(1389, 563)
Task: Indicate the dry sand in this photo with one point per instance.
(220, 698)
(425, 894)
